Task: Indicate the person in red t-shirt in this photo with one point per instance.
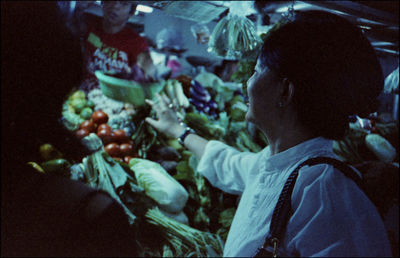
(108, 44)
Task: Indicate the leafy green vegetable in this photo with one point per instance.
(70, 120)
(203, 126)
(201, 217)
(108, 177)
(244, 72)
(245, 141)
(167, 252)
(184, 171)
(159, 185)
(238, 109)
(226, 217)
(185, 239)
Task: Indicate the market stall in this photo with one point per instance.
(154, 178)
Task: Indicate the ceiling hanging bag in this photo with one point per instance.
(235, 36)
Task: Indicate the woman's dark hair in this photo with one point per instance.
(332, 65)
(41, 63)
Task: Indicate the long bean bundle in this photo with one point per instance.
(234, 37)
(184, 238)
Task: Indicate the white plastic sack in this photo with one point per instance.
(392, 82)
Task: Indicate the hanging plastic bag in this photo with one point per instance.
(169, 38)
(392, 82)
(201, 33)
(235, 37)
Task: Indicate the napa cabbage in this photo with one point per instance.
(159, 185)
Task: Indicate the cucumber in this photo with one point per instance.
(57, 166)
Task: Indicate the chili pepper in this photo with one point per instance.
(36, 167)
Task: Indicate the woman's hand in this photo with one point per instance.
(168, 122)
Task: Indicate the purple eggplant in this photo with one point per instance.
(202, 98)
(199, 105)
(203, 93)
(213, 105)
(199, 88)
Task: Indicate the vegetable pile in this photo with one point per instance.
(173, 210)
(154, 178)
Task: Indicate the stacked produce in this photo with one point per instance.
(156, 180)
(173, 209)
(76, 110)
(87, 114)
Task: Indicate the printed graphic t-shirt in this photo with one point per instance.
(110, 52)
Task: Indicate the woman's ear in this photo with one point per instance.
(287, 92)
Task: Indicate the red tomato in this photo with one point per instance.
(127, 159)
(126, 149)
(89, 125)
(99, 117)
(82, 133)
(105, 127)
(105, 136)
(113, 149)
(120, 136)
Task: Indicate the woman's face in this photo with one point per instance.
(263, 92)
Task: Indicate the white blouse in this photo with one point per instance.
(332, 216)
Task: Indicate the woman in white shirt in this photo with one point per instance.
(312, 73)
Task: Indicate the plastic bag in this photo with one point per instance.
(169, 39)
(201, 33)
(392, 82)
(241, 8)
(235, 37)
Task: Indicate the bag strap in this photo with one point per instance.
(281, 214)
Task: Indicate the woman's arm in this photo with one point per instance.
(168, 123)
(224, 166)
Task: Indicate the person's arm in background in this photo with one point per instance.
(145, 62)
(169, 124)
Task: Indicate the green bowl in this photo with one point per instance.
(127, 91)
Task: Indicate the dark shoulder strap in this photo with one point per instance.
(282, 209)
